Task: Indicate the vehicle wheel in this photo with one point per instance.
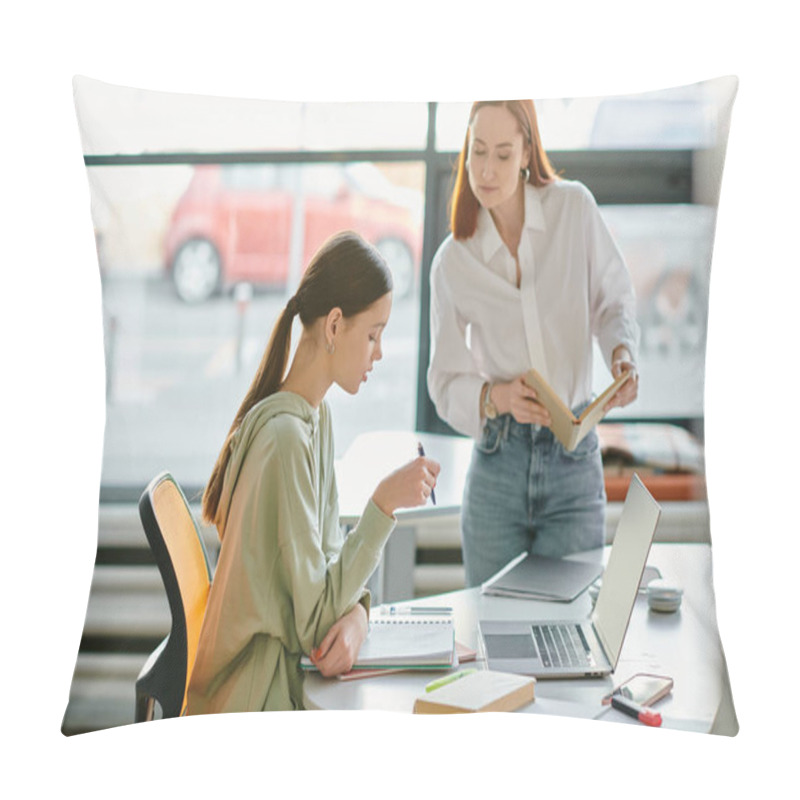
(401, 262)
(196, 271)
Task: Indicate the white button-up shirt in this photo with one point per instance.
(574, 285)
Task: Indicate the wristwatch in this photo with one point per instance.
(489, 408)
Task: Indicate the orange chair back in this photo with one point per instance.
(189, 561)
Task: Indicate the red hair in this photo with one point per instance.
(463, 203)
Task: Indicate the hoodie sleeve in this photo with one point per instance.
(322, 588)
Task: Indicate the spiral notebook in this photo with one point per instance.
(407, 641)
(463, 655)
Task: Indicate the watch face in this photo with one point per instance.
(489, 408)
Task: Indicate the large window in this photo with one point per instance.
(668, 252)
(199, 260)
(201, 240)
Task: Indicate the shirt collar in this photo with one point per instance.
(486, 230)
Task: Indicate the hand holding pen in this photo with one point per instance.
(409, 486)
(421, 451)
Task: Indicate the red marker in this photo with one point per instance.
(642, 713)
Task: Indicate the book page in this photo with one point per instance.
(562, 420)
(566, 428)
(407, 641)
(596, 411)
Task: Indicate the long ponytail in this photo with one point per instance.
(346, 272)
(267, 381)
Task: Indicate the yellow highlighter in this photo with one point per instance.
(437, 684)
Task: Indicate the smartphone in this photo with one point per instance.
(642, 688)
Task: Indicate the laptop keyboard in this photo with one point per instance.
(561, 645)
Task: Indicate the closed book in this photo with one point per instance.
(485, 690)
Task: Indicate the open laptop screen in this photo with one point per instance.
(626, 564)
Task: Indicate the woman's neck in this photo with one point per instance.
(509, 219)
(308, 375)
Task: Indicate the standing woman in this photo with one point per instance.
(527, 278)
(288, 582)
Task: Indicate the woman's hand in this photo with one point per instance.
(409, 486)
(521, 401)
(339, 648)
(621, 361)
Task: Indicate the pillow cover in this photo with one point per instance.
(206, 209)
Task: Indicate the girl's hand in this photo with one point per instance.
(521, 401)
(339, 648)
(622, 362)
(409, 486)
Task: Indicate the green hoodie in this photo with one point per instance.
(285, 572)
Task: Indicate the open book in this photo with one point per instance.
(566, 427)
(408, 641)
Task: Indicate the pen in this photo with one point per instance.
(643, 714)
(437, 684)
(421, 451)
(395, 610)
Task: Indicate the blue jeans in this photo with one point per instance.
(524, 491)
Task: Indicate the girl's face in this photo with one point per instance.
(358, 344)
(497, 153)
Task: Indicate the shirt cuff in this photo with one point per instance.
(463, 412)
(631, 348)
(609, 343)
(375, 517)
(374, 529)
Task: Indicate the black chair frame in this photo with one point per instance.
(163, 676)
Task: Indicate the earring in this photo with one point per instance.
(526, 174)
(330, 347)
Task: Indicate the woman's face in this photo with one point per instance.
(497, 153)
(358, 344)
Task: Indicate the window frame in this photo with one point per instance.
(618, 177)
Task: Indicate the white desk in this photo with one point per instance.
(684, 645)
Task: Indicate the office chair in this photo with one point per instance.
(183, 563)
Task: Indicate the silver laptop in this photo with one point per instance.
(582, 648)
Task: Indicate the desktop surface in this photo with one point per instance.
(684, 645)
